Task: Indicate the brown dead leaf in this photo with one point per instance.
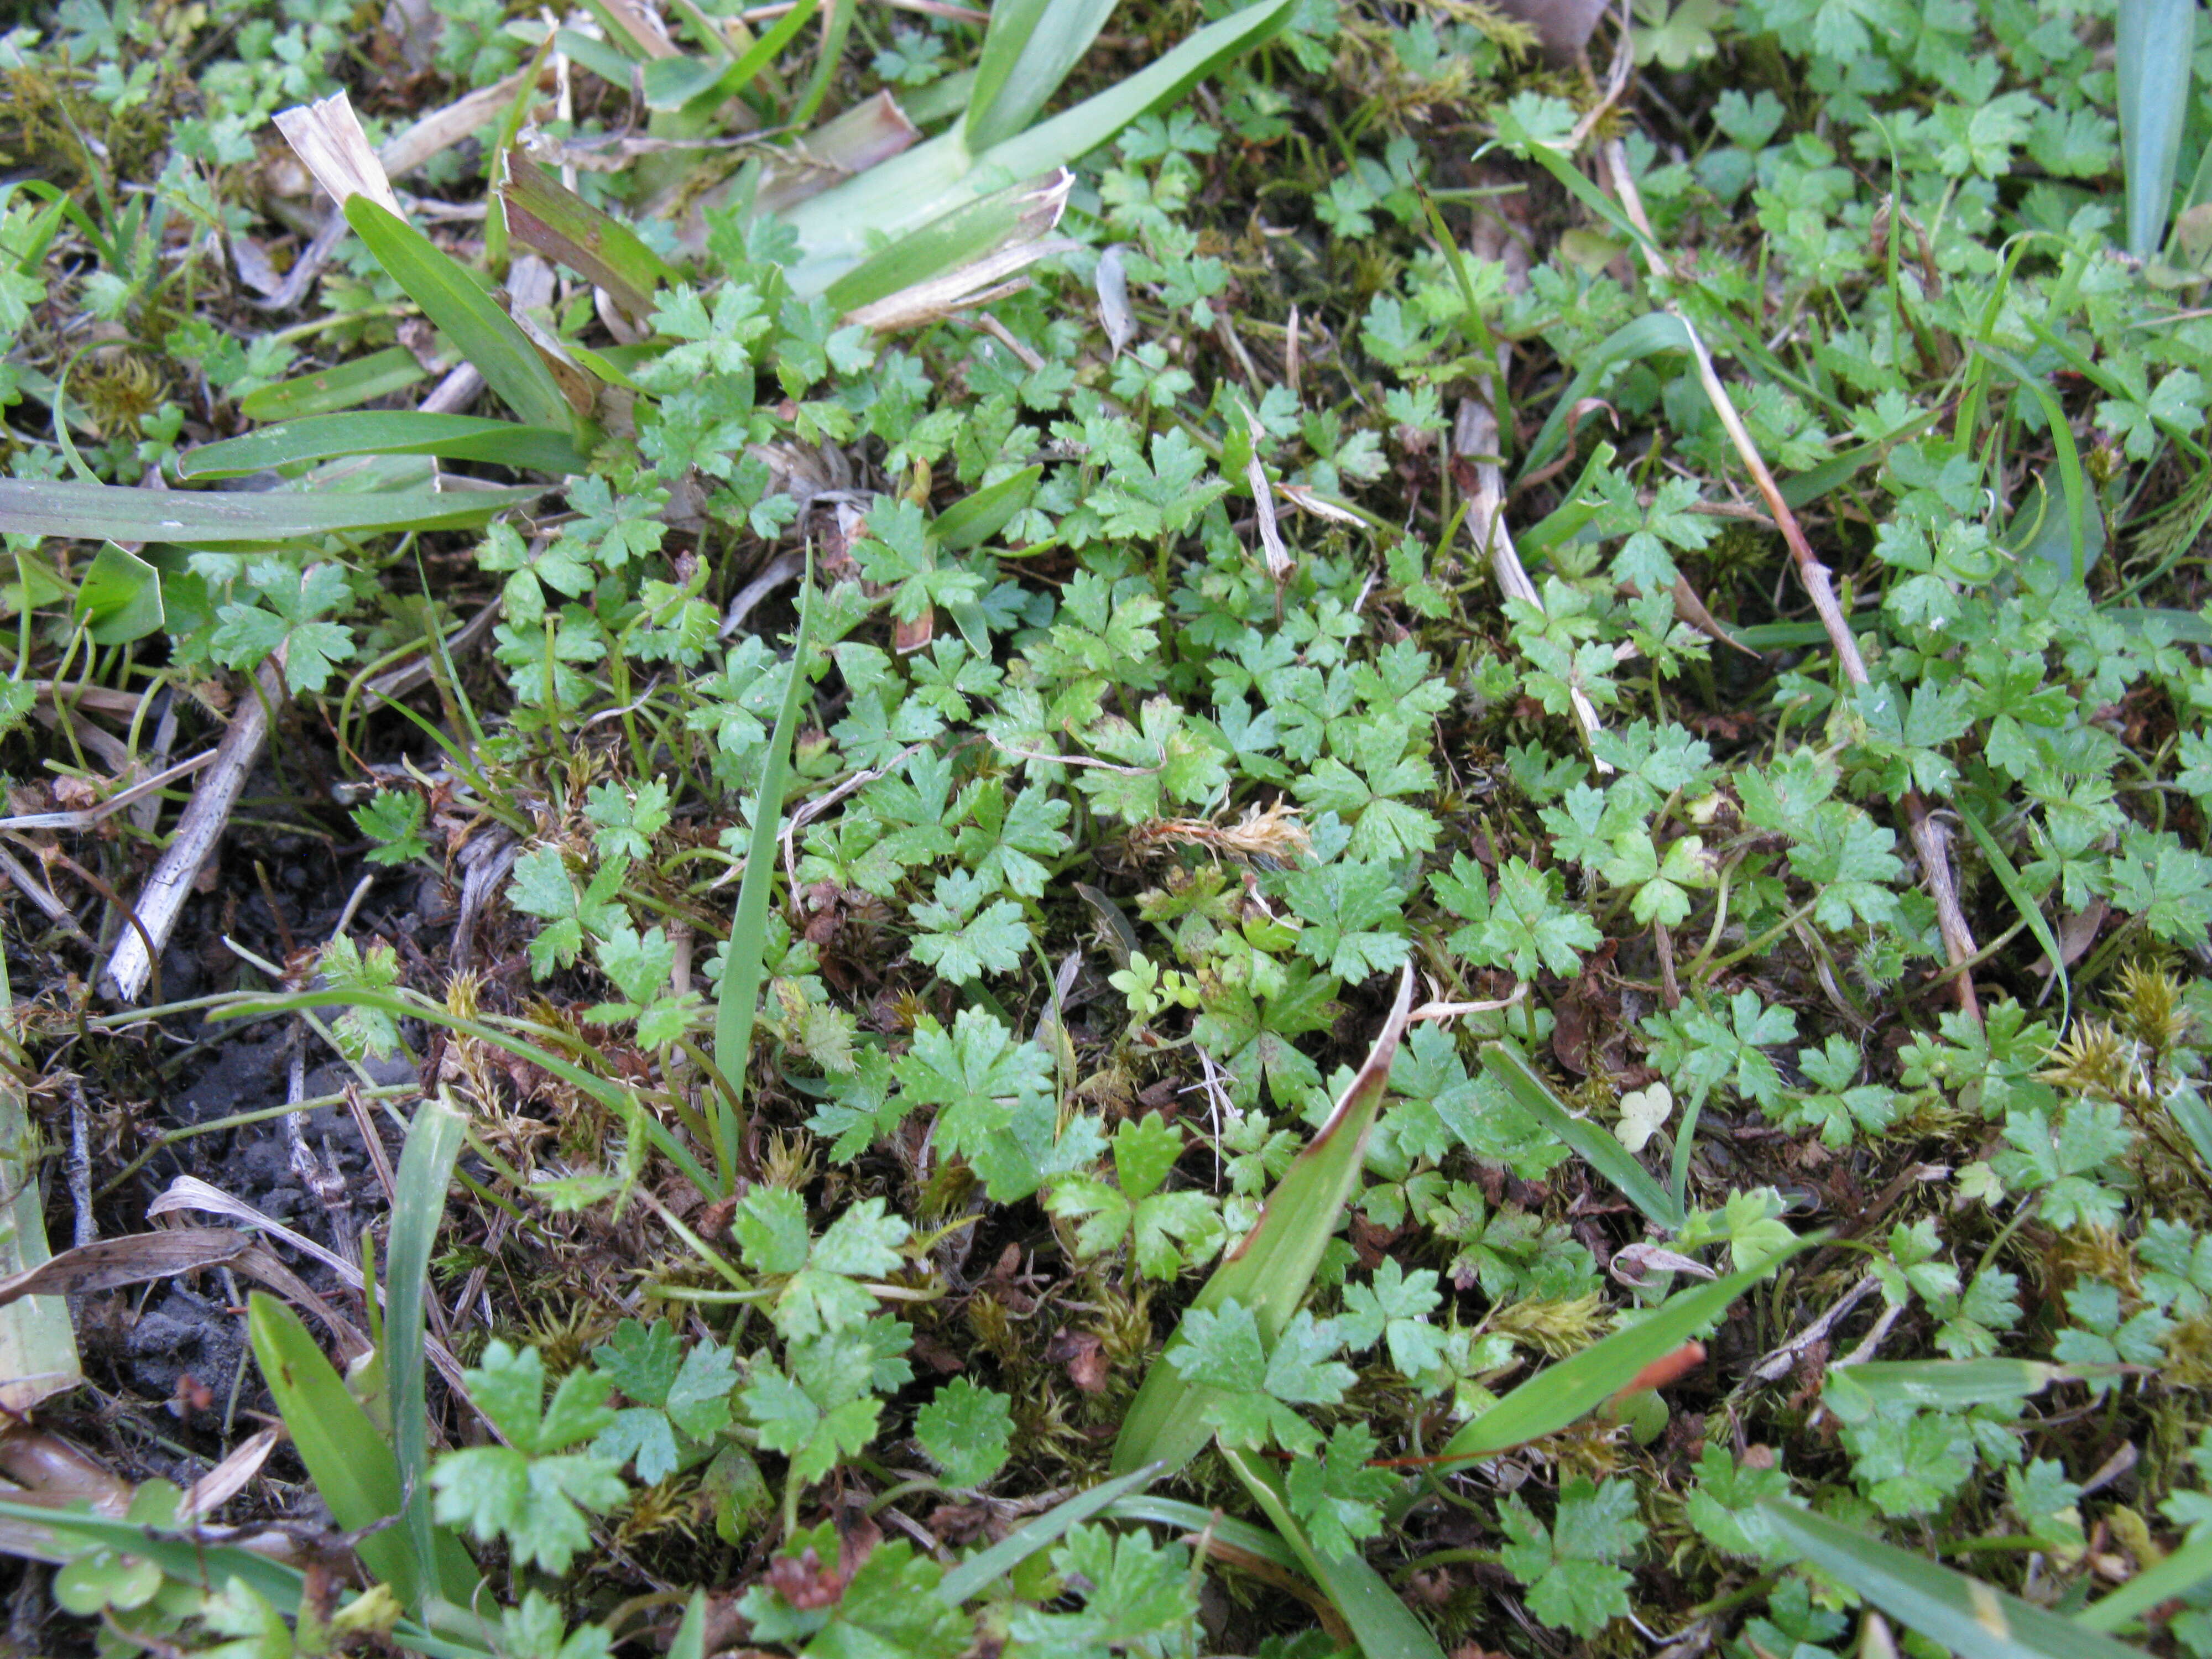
(107, 1264)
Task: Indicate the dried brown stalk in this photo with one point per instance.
(1929, 838)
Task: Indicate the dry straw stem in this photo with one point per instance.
(1929, 839)
(1474, 441)
(162, 898)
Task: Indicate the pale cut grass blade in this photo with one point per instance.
(1026, 211)
(1272, 1269)
(69, 511)
(979, 1572)
(328, 391)
(837, 228)
(2183, 1571)
(1242, 1535)
(1599, 1148)
(466, 313)
(1030, 46)
(1384, 1626)
(1560, 1394)
(418, 1205)
(545, 215)
(1973, 1619)
(387, 432)
(738, 994)
(2154, 43)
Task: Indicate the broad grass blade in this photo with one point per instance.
(388, 432)
(70, 511)
(352, 1466)
(467, 315)
(2183, 1571)
(1272, 1269)
(979, 1572)
(738, 994)
(418, 1205)
(2154, 43)
(1383, 1626)
(1973, 1619)
(1601, 1151)
(1560, 1394)
(1029, 48)
(327, 391)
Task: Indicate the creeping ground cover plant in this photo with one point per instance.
(1332, 826)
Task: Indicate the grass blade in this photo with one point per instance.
(2001, 867)
(1599, 1150)
(37, 1347)
(837, 228)
(738, 994)
(387, 432)
(1383, 1626)
(1271, 1271)
(352, 1467)
(1029, 48)
(418, 1205)
(2183, 1571)
(972, 522)
(347, 386)
(1948, 1385)
(544, 214)
(459, 305)
(1192, 1518)
(70, 511)
(1560, 1394)
(1653, 333)
(1973, 1619)
(2154, 41)
(979, 1572)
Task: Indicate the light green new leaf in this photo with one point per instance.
(69, 511)
(1973, 1619)
(465, 313)
(837, 229)
(388, 432)
(120, 598)
(1853, 1392)
(1271, 1271)
(1599, 1148)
